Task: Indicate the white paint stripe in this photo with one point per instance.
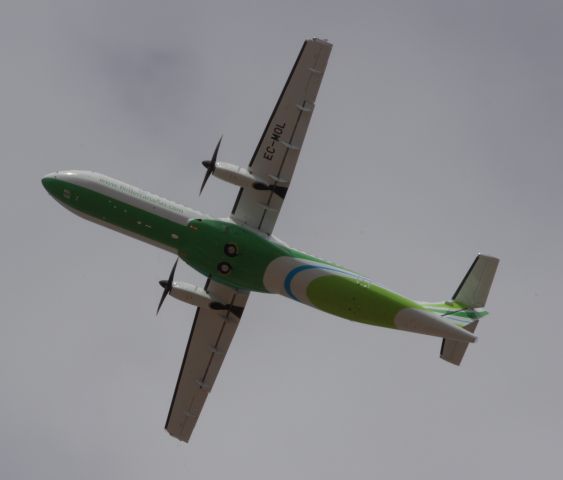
(134, 196)
(119, 229)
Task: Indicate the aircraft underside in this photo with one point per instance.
(239, 255)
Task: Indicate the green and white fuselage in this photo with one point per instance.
(262, 262)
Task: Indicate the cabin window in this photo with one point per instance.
(66, 193)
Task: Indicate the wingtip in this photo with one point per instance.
(321, 40)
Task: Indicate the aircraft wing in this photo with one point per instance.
(211, 335)
(277, 152)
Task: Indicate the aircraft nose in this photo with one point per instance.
(49, 182)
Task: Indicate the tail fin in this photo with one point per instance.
(471, 294)
(474, 288)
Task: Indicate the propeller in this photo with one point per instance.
(210, 165)
(167, 285)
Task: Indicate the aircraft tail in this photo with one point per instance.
(465, 309)
(474, 288)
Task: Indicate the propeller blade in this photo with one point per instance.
(167, 285)
(207, 175)
(210, 165)
(172, 272)
(164, 294)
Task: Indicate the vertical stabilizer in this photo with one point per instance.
(474, 288)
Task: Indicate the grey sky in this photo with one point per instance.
(437, 134)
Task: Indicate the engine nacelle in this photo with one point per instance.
(236, 175)
(244, 178)
(191, 294)
(186, 292)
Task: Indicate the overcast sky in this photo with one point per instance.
(437, 134)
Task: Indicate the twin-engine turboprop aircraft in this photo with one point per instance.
(239, 254)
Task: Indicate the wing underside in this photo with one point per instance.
(277, 151)
(273, 161)
(210, 337)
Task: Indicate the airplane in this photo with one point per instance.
(240, 254)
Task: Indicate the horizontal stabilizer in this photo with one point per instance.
(428, 323)
(474, 288)
(452, 350)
